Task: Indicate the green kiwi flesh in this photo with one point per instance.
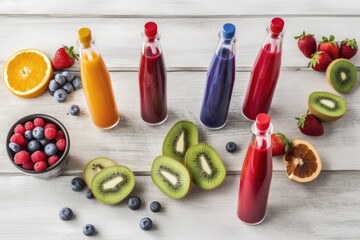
(342, 75)
(94, 166)
(171, 177)
(113, 184)
(179, 139)
(326, 106)
(205, 166)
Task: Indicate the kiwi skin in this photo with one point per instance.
(331, 75)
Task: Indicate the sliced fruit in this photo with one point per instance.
(113, 184)
(303, 163)
(27, 73)
(94, 166)
(205, 166)
(326, 106)
(171, 177)
(342, 75)
(179, 139)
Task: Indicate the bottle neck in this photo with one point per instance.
(226, 47)
(273, 41)
(151, 46)
(261, 139)
(88, 51)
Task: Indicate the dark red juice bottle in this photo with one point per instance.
(256, 173)
(265, 73)
(152, 78)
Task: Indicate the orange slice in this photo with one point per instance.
(27, 73)
(303, 163)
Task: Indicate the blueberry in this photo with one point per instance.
(77, 184)
(74, 110)
(44, 142)
(50, 149)
(65, 214)
(68, 87)
(155, 206)
(33, 146)
(53, 85)
(51, 93)
(60, 95)
(89, 230)
(28, 135)
(231, 147)
(76, 83)
(68, 76)
(38, 133)
(146, 224)
(134, 203)
(89, 194)
(60, 79)
(14, 147)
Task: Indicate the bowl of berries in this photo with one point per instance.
(38, 145)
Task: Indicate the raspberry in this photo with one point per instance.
(50, 133)
(17, 138)
(22, 157)
(40, 166)
(53, 159)
(39, 122)
(60, 135)
(61, 144)
(19, 129)
(38, 156)
(50, 125)
(28, 166)
(29, 126)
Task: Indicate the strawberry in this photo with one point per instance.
(64, 58)
(320, 61)
(310, 125)
(307, 44)
(348, 48)
(330, 46)
(279, 144)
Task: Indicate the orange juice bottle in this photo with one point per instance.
(96, 83)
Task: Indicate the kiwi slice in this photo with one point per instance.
(94, 166)
(180, 138)
(171, 177)
(342, 75)
(205, 166)
(327, 106)
(113, 184)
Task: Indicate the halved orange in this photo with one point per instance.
(303, 163)
(27, 73)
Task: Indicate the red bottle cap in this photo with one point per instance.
(277, 25)
(150, 29)
(262, 121)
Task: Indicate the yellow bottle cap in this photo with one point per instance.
(84, 35)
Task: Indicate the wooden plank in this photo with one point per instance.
(327, 208)
(136, 144)
(169, 8)
(185, 46)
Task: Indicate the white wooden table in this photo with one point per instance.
(328, 208)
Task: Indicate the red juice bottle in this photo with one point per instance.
(152, 78)
(265, 73)
(256, 173)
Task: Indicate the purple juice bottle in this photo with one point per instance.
(220, 81)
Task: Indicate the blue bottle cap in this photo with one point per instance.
(228, 31)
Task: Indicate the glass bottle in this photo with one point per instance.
(96, 83)
(265, 73)
(220, 81)
(152, 78)
(256, 173)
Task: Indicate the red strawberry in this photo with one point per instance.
(320, 61)
(279, 144)
(310, 125)
(64, 58)
(330, 46)
(348, 48)
(307, 44)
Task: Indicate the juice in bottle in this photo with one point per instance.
(96, 83)
(265, 73)
(152, 78)
(256, 173)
